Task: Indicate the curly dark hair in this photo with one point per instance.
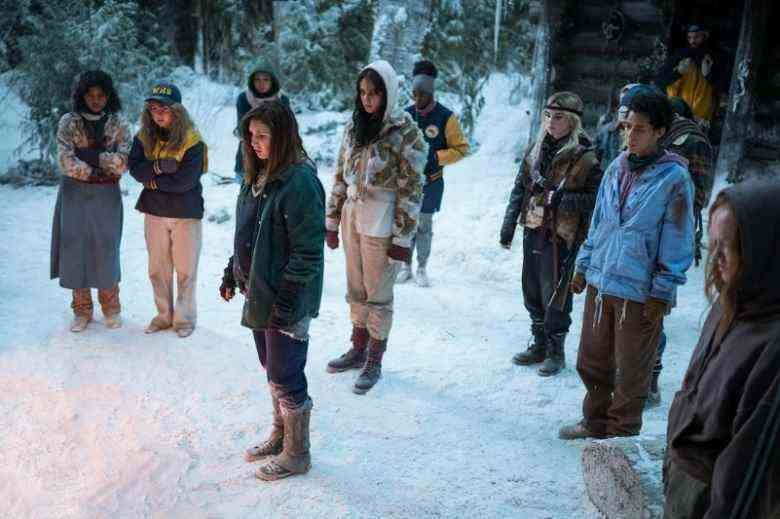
(655, 106)
(366, 126)
(95, 78)
(425, 67)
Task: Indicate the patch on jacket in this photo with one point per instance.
(432, 131)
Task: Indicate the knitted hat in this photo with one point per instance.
(424, 74)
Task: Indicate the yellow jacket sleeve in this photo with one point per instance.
(457, 146)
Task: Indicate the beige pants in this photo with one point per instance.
(108, 298)
(173, 243)
(370, 277)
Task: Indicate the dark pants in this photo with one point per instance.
(539, 282)
(284, 359)
(615, 362)
(686, 496)
(659, 366)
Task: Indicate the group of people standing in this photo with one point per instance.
(624, 234)
(388, 180)
(623, 230)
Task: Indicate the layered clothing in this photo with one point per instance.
(723, 433)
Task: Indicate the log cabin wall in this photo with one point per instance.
(762, 149)
(586, 61)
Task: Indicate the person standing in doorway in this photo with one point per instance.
(168, 157)
(93, 144)
(446, 145)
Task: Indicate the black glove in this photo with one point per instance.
(283, 310)
(89, 155)
(228, 287)
(165, 166)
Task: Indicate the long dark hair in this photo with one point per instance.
(366, 126)
(95, 78)
(286, 144)
(714, 287)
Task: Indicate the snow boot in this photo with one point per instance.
(556, 359)
(273, 445)
(113, 321)
(295, 457)
(355, 357)
(654, 395)
(404, 273)
(372, 370)
(156, 325)
(421, 278)
(536, 350)
(575, 431)
(80, 322)
(82, 309)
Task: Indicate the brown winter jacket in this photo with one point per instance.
(723, 423)
(580, 167)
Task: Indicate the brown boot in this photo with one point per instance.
(109, 302)
(355, 357)
(273, 445)
(82, 309)
(295, 457)
(372, 370)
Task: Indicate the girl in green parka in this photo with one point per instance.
(277, 264)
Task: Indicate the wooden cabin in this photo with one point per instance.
(595, 47)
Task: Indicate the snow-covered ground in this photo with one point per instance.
(116, 423)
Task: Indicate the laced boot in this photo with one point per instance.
(355, 357)
(555, 360)
(536, 350)
(295, 457)
(273, 445)
(372, 370)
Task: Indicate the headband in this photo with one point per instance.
(564, 109)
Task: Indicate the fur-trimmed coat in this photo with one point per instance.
(72, 134)
(582, 173)
(384, 178)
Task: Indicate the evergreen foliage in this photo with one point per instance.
(63, 39)
(457, 42)
(322, 47)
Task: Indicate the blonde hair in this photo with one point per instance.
(150, 133)
(569, 101)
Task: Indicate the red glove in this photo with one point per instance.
(332, 239)
(399, 253)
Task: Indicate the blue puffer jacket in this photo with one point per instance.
(644, 248)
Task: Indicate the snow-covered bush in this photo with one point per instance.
(63, 39)
(456, 40)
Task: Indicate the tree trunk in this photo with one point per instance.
(623, 477)
(743, 85)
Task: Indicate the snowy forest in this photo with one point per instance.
(585, 324)
(317, 46)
